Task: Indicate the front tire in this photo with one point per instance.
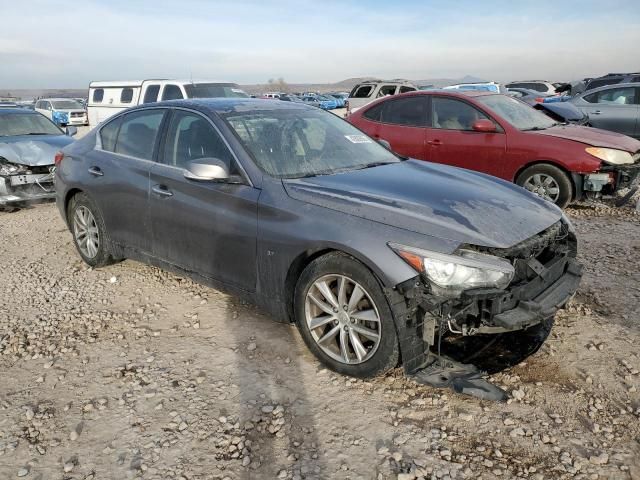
(88, 230)
(344, 317)
(549, 182)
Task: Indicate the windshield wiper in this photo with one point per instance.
(37, 133)
(534, 129)
(374, 164)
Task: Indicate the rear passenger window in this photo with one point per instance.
(108, 134)
(126, 95)
(151, 94)
(374, 112)
(172, 92)
(363, 92)
(387, 90)
(98, 95)
(410, 111)
(138, 132)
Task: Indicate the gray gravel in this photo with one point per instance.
(131, 372)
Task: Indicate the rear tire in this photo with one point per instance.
(355, 332)
(89, 232)
(548, 182)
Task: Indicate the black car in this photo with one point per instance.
(378, 259)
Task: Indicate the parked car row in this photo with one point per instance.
(326, 101)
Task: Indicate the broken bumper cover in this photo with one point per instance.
(539, 299)
(21, 189)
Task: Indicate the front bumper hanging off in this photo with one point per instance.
(417, 312)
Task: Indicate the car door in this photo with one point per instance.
(614, 109)
(118, 175)
(402, 123)
(203, 226)
(452, 140)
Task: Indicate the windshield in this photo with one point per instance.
(26, 124)
(214, 90)
(294, 143)
(518, 114)
(67, 105)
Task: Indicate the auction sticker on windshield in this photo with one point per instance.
(358, 138)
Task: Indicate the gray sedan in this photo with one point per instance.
(28, 144)
(376, 258)
(613, 107)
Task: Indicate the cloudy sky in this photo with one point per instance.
(52, 44)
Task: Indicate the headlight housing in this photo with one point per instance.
(453, 274)
(8, 168)
(611, 155)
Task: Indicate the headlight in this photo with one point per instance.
(60, 117)
(455, 273)
(611, 155)
(8, 168)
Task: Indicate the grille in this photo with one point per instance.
(77, 114)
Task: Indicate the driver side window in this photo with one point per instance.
(191, 137)
(450, 114)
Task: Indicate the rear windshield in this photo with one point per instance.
(214, 90)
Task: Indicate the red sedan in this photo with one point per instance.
(504, 137)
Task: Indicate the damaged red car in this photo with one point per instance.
(504, 137)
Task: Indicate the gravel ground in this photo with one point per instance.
(128, 371)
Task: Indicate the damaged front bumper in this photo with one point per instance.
(609, 180)
(25, 188)
(547, 276)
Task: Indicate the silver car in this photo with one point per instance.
(613, 107)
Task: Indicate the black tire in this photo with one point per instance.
(103, 255)
(563, 181)
(387, 354)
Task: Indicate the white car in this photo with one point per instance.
(62, 111)
(541, 86)
(370, 90)
(108, 98)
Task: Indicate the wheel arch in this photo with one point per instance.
(67, 198)
(553, 163)
(301, 262)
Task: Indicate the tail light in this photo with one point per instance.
(58, 159)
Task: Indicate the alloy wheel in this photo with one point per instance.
(544, 186)
(343, 319)
(85, 230)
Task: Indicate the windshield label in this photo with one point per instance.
(358, 138)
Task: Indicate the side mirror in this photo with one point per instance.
(71, 131)
(485, 126)
(207, 169)
(384, 143)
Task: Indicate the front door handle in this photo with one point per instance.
(435, 142)
(162, 190)
(96, 172)
(597, 112)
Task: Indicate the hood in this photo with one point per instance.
(592, 136)
(431, 199)
(32, 150)
(568, 111)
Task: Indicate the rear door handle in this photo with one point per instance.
(161, 190)
(597, 112)
(434, 142)
(96, 172)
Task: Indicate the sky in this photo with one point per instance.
(53, 44)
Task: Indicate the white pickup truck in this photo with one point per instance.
(108, 98)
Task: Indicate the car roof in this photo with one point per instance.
(228, 104)
(449, 93)
(612, 86)
(56, 99)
